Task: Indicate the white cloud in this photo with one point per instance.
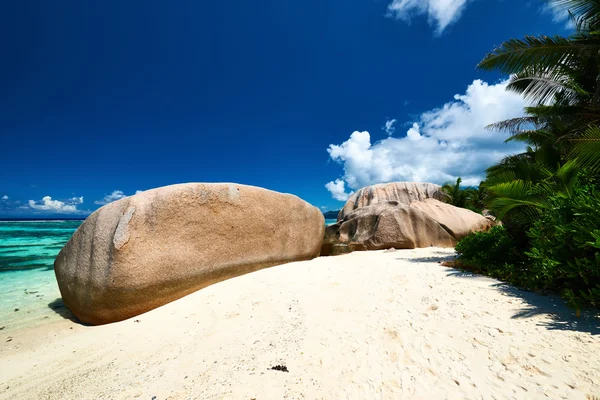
(389, 127)
(114, 196)
(440, 13)
(57, 206)
(109, 198)
(443, 144)
(559, 14)
(5, 197)
(338, 190)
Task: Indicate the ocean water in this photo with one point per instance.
(29, 294)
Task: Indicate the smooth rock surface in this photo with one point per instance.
(144, 251)
(385, 225)
(459, 222)
(402, 215)
(402, 192)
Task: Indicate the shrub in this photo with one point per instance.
(562, 253)
(565, 248)
(492, 253)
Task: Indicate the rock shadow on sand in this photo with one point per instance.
(442, 257)
(59, 307)
(561, 316)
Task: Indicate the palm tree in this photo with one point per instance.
(543, 67)
(455, 195)
(560, 76)
(524, 188)
(477, 198)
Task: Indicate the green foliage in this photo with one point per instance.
(470, 198)
(454, 194)
(516, 55)
(547, 197)
(562, 254)
(565, 247)
(493, 253)
(587, 148)
(476, 198)
(559, 77)
(520, 189)
(583, 12)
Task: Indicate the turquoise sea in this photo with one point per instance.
(29, 294)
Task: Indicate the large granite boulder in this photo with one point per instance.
(459, 222)
(402, 192)
(385, 225)
(143, 251)
(400, 215)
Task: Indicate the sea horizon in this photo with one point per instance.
(22, 219)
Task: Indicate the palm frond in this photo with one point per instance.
(584, 13)
(515, 124)
(586, 149)
(541, 87)
(505, 197)
(544, 111)
(535, 137)
(545, 52)
(517, 167)
(567, 176)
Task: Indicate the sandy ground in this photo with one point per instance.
(371, 325)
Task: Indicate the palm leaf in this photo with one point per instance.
(505, 197)
(542, 86)
(586, 149)
(515, 124)
(567, 176)
(532, 137)
(585, 13)
(545, 52)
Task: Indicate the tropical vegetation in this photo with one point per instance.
(471, 198)
(548, 196)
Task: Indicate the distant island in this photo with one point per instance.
(331, 214)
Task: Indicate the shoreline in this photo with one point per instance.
(364, 325)
(30, 298)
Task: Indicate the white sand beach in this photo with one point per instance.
(368, 325)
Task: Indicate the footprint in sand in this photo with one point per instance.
(393, 334)
(534, 370)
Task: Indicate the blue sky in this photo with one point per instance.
(315, 98)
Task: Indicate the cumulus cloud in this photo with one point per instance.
(5, 197)
(440, 13)
(443, 144)
(389, 127)
(109, 198)
(114, 196)
(338, 190)
(56, 206)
